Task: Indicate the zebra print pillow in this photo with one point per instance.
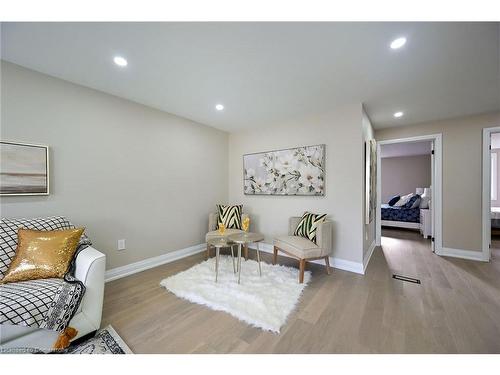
(308, 224)
(230, 216)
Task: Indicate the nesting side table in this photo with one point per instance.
(218, 243)
(242, 239)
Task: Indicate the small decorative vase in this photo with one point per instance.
(246, 225)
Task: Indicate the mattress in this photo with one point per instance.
(409, 215)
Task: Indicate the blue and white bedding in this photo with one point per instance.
(392, 213)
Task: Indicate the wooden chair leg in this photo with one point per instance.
(275, 255)
(246, 251)
(208, 251)
(327, 264)
(302, 265)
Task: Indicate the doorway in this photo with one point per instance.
(435, 188)
(491, 192)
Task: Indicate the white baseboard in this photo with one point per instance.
(463, 254)
(341, 264)
(145, 264)
(368, 256)
(142, 265)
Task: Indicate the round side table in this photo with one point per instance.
(246, 238)
(218, 243)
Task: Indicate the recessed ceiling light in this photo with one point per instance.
(120, 61)
(398, 114)
(398, 43)
(219, 107)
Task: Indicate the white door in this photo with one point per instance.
(433, 178)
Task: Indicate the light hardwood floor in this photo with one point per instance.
(456, 309)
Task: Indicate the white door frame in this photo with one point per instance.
(486, 195)
(436, 191)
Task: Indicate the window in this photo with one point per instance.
(494, 176)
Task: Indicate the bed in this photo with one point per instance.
(401, 217)
(495, 221)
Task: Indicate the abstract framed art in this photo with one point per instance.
(292, 171)
(24, 169)
(370, 180)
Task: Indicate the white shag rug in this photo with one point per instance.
(263, 302)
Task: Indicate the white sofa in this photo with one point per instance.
(90, 267)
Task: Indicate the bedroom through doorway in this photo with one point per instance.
(406, 171)
(494, 195)
(406, 200)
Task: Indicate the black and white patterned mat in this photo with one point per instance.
(106, 341)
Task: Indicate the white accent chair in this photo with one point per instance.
(90, 267)
(213, 232)
(302, 248)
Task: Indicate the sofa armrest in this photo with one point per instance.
(90, 267)
(292, 224)
(324, 236)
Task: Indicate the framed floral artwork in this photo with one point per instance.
(24, 169)
(293, 171)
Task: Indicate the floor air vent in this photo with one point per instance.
(407, 279)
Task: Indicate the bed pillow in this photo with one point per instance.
(394, 200)
(403, 200)
(414, 202)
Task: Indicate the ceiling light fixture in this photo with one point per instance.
(219, 107)
(398, 43)
(120, 61)
(398, 114)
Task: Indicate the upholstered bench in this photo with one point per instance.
(304, 249)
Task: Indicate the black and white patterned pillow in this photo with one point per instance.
(308, 224)
(230, 216)
(8, 236)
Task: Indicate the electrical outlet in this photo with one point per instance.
(121, 244)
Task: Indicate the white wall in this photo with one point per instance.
(118, 168)
(341, 131)
(402, 175)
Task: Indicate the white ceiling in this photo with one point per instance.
(269, 73)
(405, 149)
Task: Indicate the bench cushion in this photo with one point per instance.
(299, 247)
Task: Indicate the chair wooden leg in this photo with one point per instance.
(302, 265)
(246, 251)
(208, 251)
(327, 264)
(275, 255)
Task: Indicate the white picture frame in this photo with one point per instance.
(24, 169)
(370, 180)
(292, 171)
